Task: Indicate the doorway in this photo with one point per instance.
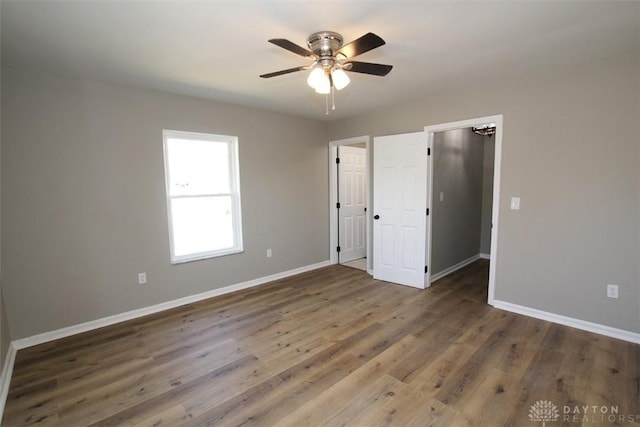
(462, 188)
(495, 189)
(350, 228)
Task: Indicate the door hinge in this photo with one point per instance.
(428, 151)
(427, 211)
(426, 269)
(337, 159)
(365, 209)
(338, 205)
(338, 249)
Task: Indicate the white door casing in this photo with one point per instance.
(352, 171)
(400, 173)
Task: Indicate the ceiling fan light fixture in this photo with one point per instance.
(324, 87)
(340, 78)
(317, 78)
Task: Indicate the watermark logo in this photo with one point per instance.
(544, 411)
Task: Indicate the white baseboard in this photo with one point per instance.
(569, 321)
(484, 256)
(5, 377)
(453, 268)
(133, 314)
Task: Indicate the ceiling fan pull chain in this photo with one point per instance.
(326, 104)
(333, 97)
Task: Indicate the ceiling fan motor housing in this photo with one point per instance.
(324, 44)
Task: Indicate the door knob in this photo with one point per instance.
(376, 217)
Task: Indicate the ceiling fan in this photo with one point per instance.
(331, 59)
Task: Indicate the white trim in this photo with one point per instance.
(454, 268)
(134, 314)
(333, 215)
(484, 256)
(569, 321)
(333, 198)
(497, 166)
(429, 279)
(5, 377)
(495, 210)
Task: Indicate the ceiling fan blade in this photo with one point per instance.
(361, 45)
(367, 68)
(292, 47)
(281, 72)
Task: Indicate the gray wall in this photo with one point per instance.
(83, 208)
(571, 152)
(5, 333)
(458, 157)
(5, 337)
(84, 199)
(487, 194)
(4, 330)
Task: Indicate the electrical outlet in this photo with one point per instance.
(612, 291)
(269, 253)
(142, 278)
(442, 196)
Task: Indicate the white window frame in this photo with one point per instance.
(234, 179)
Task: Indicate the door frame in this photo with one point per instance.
(333, 196)
(497, 167)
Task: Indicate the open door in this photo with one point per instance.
(400, 173)
(352, 203)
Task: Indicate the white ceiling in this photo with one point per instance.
(217, 49)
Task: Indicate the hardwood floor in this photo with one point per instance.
(330, 347)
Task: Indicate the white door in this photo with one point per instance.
(400, 208)
(352, 171)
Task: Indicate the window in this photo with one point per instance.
(203, 195)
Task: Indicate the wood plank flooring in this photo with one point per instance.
(331, 347)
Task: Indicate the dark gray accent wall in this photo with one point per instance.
(4, 332)
(5, 338)
(458, 177)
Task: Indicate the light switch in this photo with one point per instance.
(441, 196)
(515, 203)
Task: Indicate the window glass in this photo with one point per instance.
(203, 195)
